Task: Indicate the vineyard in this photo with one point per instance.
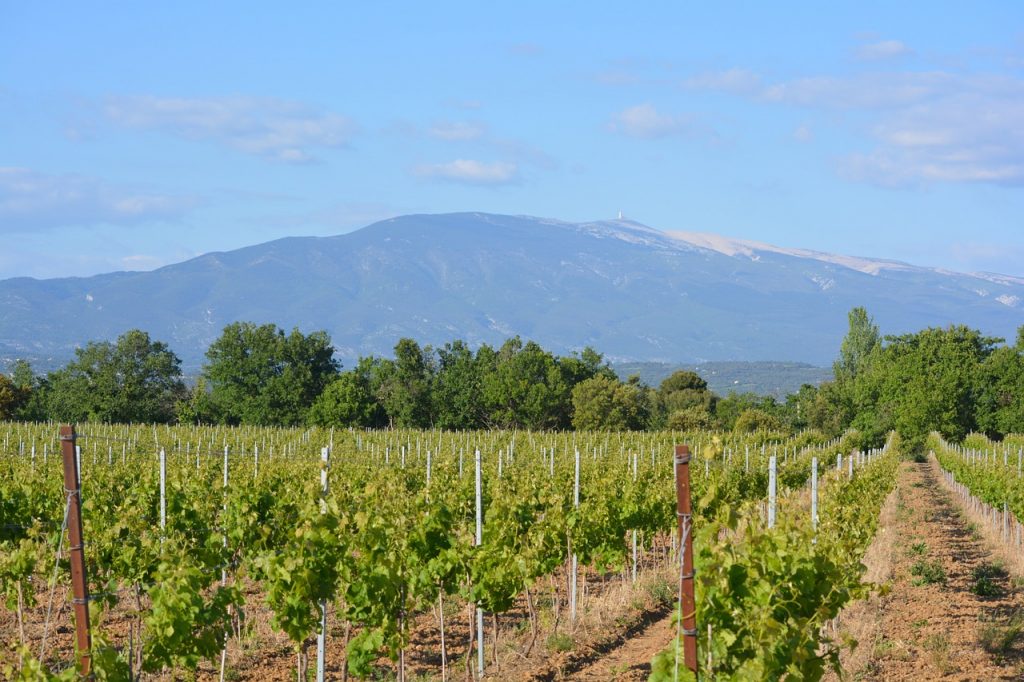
(425, 554)
(990, 478)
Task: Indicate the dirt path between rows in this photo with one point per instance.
(952, 611)
(630, 661)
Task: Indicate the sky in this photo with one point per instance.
(133, 135)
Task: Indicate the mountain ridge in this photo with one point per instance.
(634, 292)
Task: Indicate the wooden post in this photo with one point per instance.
(76, 555)
(687, 603)
(479, 541)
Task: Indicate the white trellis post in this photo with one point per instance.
(575, 504)
(321, 637)
(814, 498)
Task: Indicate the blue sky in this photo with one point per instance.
(133, 135)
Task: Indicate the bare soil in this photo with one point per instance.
(952, 609)
(937, 619)
(630, 660)
(611, 611)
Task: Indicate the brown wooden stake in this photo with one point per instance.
(688, 606)
(76, 553)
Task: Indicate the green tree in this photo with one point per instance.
(1000, 408)
(602, 403)
(687, 393)
(197, 406)
(10, 398)
(134, 379)
(525, 388)
(859, 343)
(349, 400)
(22, 374)
(32, 393)
(577, 368)
(729, 408)
(753, 419)
(827, 411)
(260, 375)
(584, 365)
(855, 389)
(798, 406)
(693, 418)
(403, 385)
(927, 382)
(457, 394)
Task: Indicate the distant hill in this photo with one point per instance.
(777, 379)
(632, 292)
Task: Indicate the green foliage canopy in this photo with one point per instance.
(605, 404)
(260, 375)
(134, 379)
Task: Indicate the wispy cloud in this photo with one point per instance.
(339, 217)
(803, 134)
(464, 104)
(32, 201)
(276, 129)
(646, 122)
(975, 256)
(471, 172)
(526, 49)
(619, 77)
(736, 81)
(871, 91)
(926, 126)
(883, 50)
(142, 261)
(522, 152)
(457, 131)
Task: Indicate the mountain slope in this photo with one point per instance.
(630, 291)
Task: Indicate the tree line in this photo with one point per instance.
(954, 380)
(261, 375)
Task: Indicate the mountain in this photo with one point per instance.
(763, 377)
(630, 291)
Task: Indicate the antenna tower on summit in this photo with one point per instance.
(620, 215)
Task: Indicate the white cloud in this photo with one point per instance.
(142, 262)
(526, 49)
(273, 128)
(803, 134)
(339, 217)
(30, 200)
(522, 152)
(927, 126)
(863, 91)
(471, 172)
(457, 131)
(971, 133)
(465, 104)
(644, 121)
(736, 81)
(882, 50)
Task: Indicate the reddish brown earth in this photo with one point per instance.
(631, 660)
(612, 613)
(926, 626)
(920, 629)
